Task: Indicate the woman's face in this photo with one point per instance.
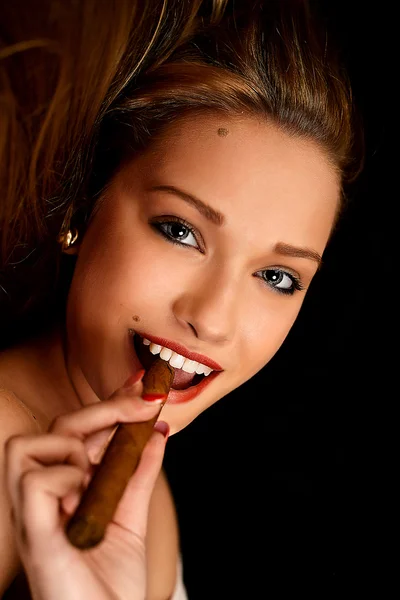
(205, 245)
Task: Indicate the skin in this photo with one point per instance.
(207, 294)
(270, 188)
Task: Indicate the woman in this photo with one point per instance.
(216, 183)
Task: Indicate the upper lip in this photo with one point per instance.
(183, 351)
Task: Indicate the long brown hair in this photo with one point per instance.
(266, 58)
(61, 66)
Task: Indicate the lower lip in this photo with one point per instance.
(180, 396)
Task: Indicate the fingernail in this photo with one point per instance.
(134, 379)
(162, 427)
(154, 398)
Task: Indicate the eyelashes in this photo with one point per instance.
(178, 231)
(276, 277)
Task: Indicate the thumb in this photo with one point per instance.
(133, 508)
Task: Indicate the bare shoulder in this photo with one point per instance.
(15, 419)
(162, 542)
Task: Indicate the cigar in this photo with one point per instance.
(88, 524)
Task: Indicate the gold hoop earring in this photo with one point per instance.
(68, 239)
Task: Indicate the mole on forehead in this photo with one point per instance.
(223, 132)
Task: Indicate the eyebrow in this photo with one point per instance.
(288, 250)
(205, 209)
(218, 219)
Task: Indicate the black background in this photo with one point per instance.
(280, 485)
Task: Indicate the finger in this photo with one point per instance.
(70, 502)
(26, 453)
(104, 414)
(96, 444)
(133, 508)
(37, 515)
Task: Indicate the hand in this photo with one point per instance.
(46, 475)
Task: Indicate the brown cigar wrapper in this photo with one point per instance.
(87, 526)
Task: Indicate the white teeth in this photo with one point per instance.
(177, 360)
(203, 370)
(155, 348)
(166, 354)
(189, 366)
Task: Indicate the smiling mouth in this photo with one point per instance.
(182, 379)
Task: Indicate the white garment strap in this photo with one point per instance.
(180, 591)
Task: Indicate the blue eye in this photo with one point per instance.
(281, 281)
(177, 231)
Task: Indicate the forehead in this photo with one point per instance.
(251, 171)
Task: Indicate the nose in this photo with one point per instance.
(210, 306)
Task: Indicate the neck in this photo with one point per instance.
(36, 371)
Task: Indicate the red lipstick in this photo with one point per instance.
(180, 396)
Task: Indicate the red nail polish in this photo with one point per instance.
(162, 427)
(134, 379)
(154, 397)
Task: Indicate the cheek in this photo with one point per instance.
(126, 275)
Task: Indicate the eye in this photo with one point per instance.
(281, 281)
(177, 231)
